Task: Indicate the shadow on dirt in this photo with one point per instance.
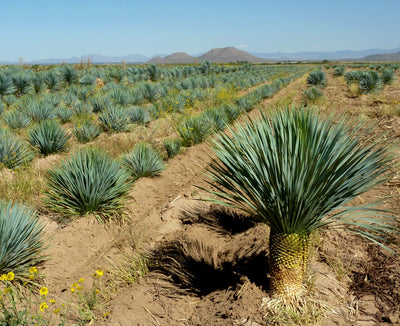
(202, 267)
(219, 219)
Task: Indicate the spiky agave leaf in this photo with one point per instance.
(86, 130)
(296, 171)
(21, 238)
(88, 182)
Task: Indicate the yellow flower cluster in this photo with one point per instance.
(7, 277)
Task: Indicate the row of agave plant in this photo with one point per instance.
(316, 81)
(90, 180)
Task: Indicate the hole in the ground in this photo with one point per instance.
(220, 219)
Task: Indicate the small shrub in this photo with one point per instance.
(143, 161)
(48, 137)
(86, 130)
(312, 94)
(16, 119)
(88, 182)
(194, 130)
(14, 152)
(317, 78)
(114, 119)
(21, 237)
(172, 146)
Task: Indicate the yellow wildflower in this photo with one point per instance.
(44, 291)
(31, 276)
(106, 314)
(43, 306)
(81, 280)
(52, 301)
(72, 290)
(33, 270)
(10, 276)
(98, 273)
(97, 291)
(56, 311)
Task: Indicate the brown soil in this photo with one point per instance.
(212, 263)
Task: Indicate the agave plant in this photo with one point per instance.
(114, 119)
(88, 182)
(172, 146)
(21, 238)
(312, 94)
(14, 152)
(143, 161)
(22, 83)
(317, 78)
(68, 74)
(16, 119)
(39, 111)
(48, 137)
(194, 130)
(338, 71)
(369, 81)
(296, 171)
(6, 85)
(64, 114)
(139, 115)
(86, 130)
(388, 76)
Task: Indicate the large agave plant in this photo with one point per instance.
(21, 238)
(14, 152)
(114, 119)
(296, 171)
(88, 182)
(48, 137)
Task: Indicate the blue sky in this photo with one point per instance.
(38, 29)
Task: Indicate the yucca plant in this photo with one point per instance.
(172, 146)
(14, 152)
(217, 117)
(22, 83)
(194, 130)
(21, 238)
(143, 161)
(296, 170)
(114, 119)
(16, 119)
(88, 182)
(317, 78)
(48, 137)
(86, 130)
(100, 103)
(119, 96)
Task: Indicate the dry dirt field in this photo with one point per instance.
(212, 264)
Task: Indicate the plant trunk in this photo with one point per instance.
(288, 254)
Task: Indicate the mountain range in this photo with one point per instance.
(230, 54)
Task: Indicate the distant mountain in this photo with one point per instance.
(228, 54)
(217, 55)
(382, 57)
(319, 56)
(178, 57)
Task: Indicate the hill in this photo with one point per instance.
(382, 57)
(228, 54)
(177, 57)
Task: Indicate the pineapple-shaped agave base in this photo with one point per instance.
(287, 260)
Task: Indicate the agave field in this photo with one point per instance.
(199, 194)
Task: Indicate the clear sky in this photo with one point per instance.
(39, 29)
